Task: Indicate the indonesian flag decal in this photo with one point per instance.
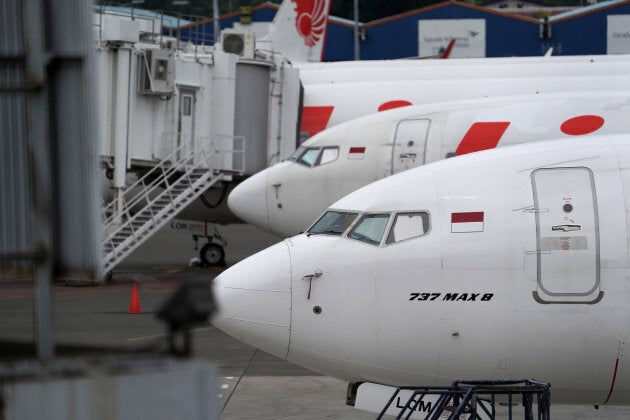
(311, 20)
(356, 153)
(466, 222)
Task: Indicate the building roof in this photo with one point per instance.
(587, 10)
(447, 4)
(167, 20)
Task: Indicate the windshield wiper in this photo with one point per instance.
(325, 232)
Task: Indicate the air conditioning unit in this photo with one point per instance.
(156, 72)
(239, 42)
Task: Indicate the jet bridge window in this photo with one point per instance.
(408, 225)
(370, 228)
(315, 156)
(332, 223)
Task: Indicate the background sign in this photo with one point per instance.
(618, 34)
(434, 36)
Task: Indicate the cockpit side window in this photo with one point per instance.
(332, 223)
(329, 154)
(309, 157)
(408, 225)
(370, 228)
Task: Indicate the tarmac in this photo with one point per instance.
(252, 384)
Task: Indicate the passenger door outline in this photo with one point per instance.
(567, 235)
(409, 145)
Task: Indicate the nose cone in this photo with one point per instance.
(248, 200)
(254, 299)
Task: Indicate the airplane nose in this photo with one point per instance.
(248, 200)
(254, 300)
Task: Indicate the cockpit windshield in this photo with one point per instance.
(309, 157)
(370, 228)
(297, 153)
(315, 156)
(332, 223)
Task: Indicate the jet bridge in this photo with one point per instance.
(180, 123)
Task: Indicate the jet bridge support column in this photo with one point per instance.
(121, 124)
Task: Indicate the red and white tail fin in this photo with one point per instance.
(447, 52)
(299, 29)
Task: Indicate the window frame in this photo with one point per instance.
(321, 154)
(357, 216)
(393, 219)
(295, 156)
(317, 157)
(362, 216)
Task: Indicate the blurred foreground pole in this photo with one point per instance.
(49, 219)
(357, 52)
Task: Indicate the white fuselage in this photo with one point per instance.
(285, 198)
(518, 269)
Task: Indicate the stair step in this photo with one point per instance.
(143, 225)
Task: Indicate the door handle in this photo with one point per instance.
(310, 278)
(407, 155)
(566, 228)
(276, 188)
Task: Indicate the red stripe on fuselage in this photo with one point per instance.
(315, 119)
(482, 136)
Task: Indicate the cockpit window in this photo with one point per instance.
(315, 156)
(309, 157)
(370, 228)
(297, 153)
(407, 226)
(329, 154)
(332, 223)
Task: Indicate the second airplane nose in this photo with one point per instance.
(254, 299)
(248, 200)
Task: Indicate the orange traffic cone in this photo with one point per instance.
(134, 306)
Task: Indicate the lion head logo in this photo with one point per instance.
(311, 20)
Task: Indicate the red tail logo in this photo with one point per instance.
(311, 20)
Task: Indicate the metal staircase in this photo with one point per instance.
(170, 186)
(475, 400)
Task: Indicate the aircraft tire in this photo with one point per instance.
(212, 254)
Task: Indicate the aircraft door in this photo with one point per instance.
(409, 144)
(567, 236)
(186, 123)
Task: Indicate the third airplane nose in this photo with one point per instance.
(254, 300)
(249, 201)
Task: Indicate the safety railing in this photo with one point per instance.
(475, 399)
(164, 191)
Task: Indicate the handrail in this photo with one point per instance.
(144, 193)
(176, 161)
(168, 166)
(166, 188)
(464, 396)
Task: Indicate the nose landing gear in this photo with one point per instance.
(213, 252)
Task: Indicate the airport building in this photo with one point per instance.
(481, 31)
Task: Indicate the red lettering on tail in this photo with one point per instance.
(312, 16)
